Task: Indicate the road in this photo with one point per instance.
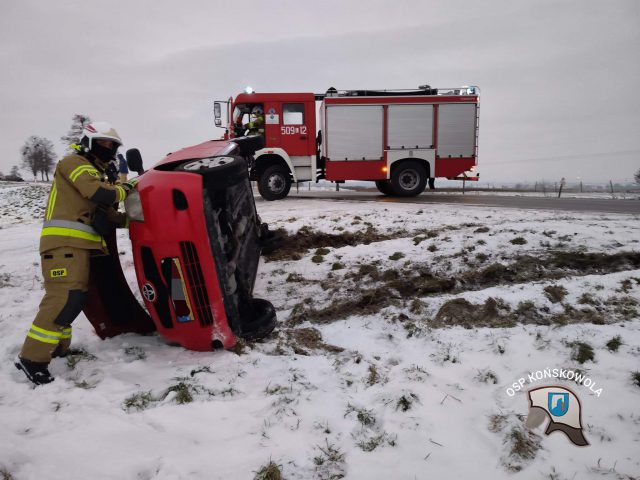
(588, 205)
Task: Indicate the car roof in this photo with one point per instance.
(202, 150)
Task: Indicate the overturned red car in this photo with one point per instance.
(196, 240)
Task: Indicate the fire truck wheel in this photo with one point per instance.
(408, 179)
(274, 183)
(384, 187)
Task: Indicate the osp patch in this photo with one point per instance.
(58, 272)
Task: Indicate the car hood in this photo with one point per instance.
(203, 150)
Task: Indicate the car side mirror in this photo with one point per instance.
(134, 161)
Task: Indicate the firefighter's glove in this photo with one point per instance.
(129, 185)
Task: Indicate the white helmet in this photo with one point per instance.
(98, 131)
(257, 111)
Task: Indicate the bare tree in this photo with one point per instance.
(38, 156)
(636, 176)
(14, 175)
(78, 122)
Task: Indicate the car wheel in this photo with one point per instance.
(408, 179)
(274, 183)
(222, 164)
(384, 187)
(219, 172)
(263, 320)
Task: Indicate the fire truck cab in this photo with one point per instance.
(399, 139)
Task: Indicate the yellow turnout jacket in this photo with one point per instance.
(78, 188)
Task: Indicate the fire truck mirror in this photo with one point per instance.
(217, 112)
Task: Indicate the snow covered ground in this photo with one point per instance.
(401, 329)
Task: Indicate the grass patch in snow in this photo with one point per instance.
(138, 401)
(582, 352)
(406, 401)
(487, 376)
(614, 344)
(79, 355)
(329, 463)
(635, 378)
(270, 471)
(5, 280)
(555, 293)
(518, 241)
(523, 446)
(396, 256)
(371, 443)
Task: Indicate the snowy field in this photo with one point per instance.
(401, 329)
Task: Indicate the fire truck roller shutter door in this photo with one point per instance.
(355, 132)
(410, 126)
(456, 130)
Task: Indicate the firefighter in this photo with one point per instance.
(80, 211)
(256, 125)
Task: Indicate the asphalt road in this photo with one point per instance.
(587, 205)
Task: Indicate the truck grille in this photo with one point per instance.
(196, 283)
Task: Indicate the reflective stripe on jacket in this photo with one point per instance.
(78, 188)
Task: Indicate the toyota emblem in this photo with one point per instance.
(149, 292)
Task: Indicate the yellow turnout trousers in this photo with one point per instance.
(66, 277)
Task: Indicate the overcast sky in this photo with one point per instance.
(559, 79)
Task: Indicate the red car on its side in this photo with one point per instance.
(196, 242)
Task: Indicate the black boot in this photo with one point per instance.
(36, 372)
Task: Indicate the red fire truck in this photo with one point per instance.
(400, 139)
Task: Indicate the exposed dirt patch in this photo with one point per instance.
(366, 303)
(304, 340)
(461, 312)
(295, 245)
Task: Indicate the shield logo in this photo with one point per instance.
(148, 292)
(558, 403)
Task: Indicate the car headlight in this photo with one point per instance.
(133, 207)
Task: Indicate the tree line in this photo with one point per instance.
(38, 155)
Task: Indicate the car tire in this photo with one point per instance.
(384, 187)
(219, 172)
(274, 183)
(263, 320)
(408, 179)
